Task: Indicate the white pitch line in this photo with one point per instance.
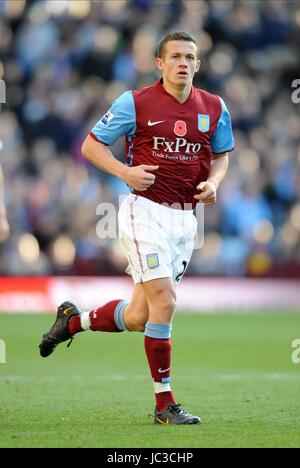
(72, 378)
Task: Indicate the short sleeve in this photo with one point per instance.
(222, 140)
(119, 120)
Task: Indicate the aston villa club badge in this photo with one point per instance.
(203, 122)
(152, 260)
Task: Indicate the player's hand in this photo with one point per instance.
(140, 178)
(208, 194)
(4, 228)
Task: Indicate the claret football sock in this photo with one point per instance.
(75, 325)
(163, 399)
(158, 351)
(108, 318)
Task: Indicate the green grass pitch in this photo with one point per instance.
(235, 371)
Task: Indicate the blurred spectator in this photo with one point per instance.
(65, 61)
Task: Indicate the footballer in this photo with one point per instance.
(177, 142)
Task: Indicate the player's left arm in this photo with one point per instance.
(222, 142)
(209, 188)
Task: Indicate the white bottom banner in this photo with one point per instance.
(40, 295)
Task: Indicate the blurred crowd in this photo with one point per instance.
(64, 62)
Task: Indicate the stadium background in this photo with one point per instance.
(63, 63)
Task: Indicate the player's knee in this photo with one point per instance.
(135, 325)
(162, 308)
(168, 305)
(165, 300)
(140, 327)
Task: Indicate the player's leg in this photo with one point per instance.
(118, 315)
(161, 296)
(109, 317)
(146, 234)
(136, 313)
(115, 316)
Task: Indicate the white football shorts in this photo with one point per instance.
(157, 240)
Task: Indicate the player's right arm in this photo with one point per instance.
(119, 121)
(4, 226)
(138, 177)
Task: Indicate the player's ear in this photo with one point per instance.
(159, 63)
(198, 65)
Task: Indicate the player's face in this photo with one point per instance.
(179, 62)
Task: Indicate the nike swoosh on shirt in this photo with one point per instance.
(150, 124)
(161, 371)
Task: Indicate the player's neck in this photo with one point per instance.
(180, 93)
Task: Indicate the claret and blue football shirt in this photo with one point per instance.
(181, 138)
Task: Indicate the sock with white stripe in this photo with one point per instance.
(108, 318)
(158, 351)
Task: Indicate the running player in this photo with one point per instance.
(178, 138)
